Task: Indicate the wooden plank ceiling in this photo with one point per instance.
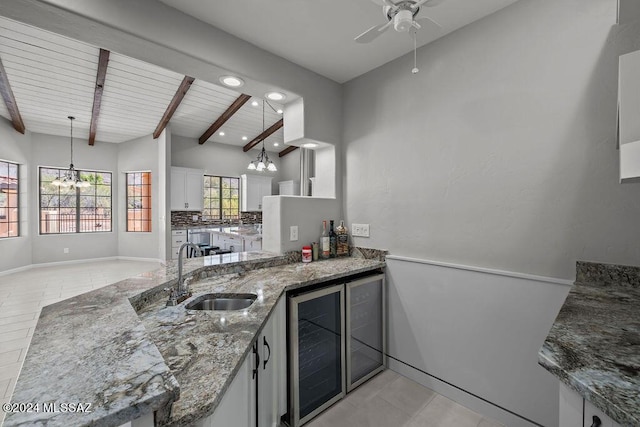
(53, 76)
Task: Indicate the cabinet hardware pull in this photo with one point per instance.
(266, 344)
(596, 421)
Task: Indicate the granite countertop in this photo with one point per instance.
(244, 231)
(204, 349)
(120, 349)
(594, 344)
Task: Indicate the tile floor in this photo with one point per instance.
(387, 400)
(390, 399)
(23, 294)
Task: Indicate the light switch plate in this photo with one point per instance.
(293, 233)
(360, 230)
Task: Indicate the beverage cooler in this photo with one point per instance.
(336, 342)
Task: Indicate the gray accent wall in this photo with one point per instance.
(501, 151)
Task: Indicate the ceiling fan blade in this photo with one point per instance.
(372, 33)
(426, 19)
(427, 3)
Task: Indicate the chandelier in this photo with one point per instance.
(71, 177)
(262, 162)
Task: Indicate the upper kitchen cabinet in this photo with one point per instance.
(186, 189)
(629, 111)
(254, 188)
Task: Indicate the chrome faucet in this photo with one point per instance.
(180, 294)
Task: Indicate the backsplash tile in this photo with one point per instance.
(608, 274)
(183, 219)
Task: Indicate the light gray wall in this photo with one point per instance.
(53, 151)
(219, 159)
(138, 155)
(501, 151)
(15, 147)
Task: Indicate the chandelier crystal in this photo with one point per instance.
(71, 177)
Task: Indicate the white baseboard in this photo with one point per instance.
(464, 398)
(79, 261)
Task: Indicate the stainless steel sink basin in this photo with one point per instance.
(222, 302)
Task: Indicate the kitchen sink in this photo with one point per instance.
(222, 302)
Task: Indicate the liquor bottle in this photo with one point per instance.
(333, 241)
(325, 242)
(343, 239)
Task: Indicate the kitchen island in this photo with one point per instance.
(113, 347)
(593, 345)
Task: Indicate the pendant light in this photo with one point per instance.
(71, 177)
(262, 162)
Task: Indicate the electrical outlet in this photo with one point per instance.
(195, 218)
(360, 230)
(65, 250)
(293, 233)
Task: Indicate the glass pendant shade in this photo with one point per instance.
(252, 166)
(71, 177)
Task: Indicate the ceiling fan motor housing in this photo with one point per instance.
(403, 20)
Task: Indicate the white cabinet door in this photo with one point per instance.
(178, 184)
(272, 353)
(237, 405)
(254, 188)
(194, 190)
(252, 245)
(186, 189)
(629, 110)
(575, 411)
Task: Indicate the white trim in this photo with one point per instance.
(79, 261)
(545, 279)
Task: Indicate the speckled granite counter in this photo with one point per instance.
(594, 344)
(95, 348)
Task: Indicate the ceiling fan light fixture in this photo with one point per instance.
(231, 81)
(276, 96)
(403, 20)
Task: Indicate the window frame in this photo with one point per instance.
(78, 206)
(220, 198)
(17, 207)
(126, 205)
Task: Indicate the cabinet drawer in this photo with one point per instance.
(178, 232)
(176, 241)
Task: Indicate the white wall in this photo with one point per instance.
(479, 330)
(141, 154)
(53, 151)
(279, 213)
(501, 151)
(15, 147)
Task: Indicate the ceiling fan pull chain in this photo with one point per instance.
(415, 55)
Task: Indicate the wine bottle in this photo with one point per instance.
(343, 239)
(325, 242)
(333, 241)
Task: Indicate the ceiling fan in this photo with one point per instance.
(401, 15)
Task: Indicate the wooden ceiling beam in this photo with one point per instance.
(103, 62)
(287, 150)
(173, 105)
(10, 101)
(264, 135)
(233, 108)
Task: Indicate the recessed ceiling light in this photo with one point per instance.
(276, 96)
(221, 133)
(275, 144)
(309, 145)
(231, 81)
(279, 111)
(254, 103)
(244, 138)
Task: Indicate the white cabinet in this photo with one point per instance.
(237, 405)
(289, 188)
(252, 245)
(254, 188)
(226, 242)
(178, 237)
(577, 412)
(628, 113)
(187, 192)
(271, 391)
